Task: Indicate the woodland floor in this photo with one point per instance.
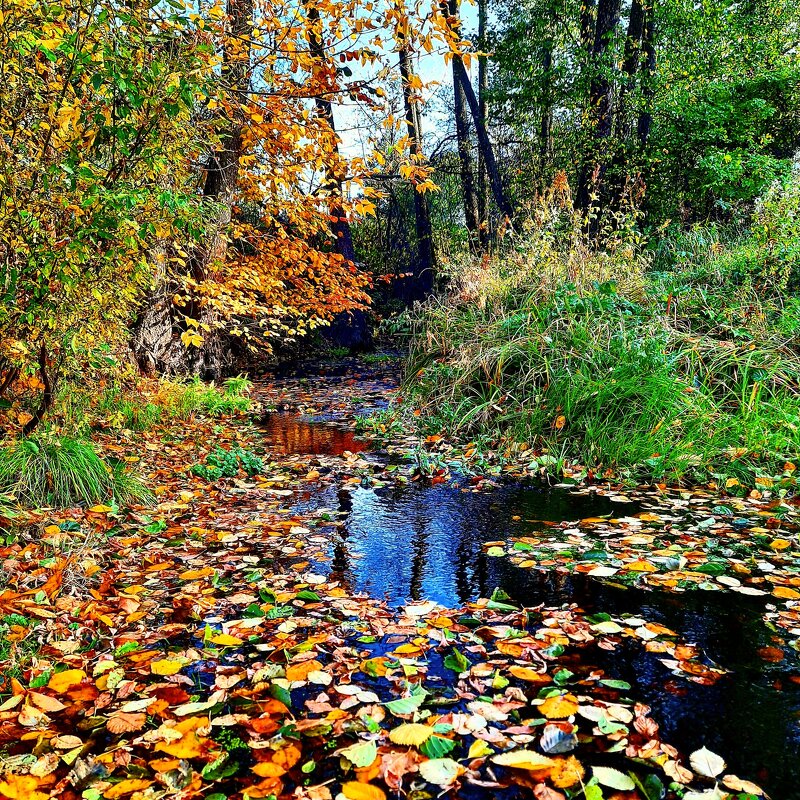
(331, 626)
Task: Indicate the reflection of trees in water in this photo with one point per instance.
(340, 563)
(289, 434)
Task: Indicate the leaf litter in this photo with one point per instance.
(190, 650)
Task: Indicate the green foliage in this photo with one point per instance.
(58, 471)
(16, 654)
(141, 405)
(221, 463)
(687, 373)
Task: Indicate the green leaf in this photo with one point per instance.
(457, 661)
(408, 705)
(613, 778)
(593, 792)
(437, 746)
(361, 754)
(613, 683)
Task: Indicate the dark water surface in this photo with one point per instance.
(414, 542)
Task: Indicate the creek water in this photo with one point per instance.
(415, 542)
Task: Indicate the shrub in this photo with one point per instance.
(57, 471)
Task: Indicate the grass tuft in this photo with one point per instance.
(62, 472)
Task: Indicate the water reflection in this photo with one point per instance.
(413, 543)
(290, 433)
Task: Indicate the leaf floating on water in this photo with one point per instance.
(613, 778)
(412, 733)
(556, 740)
(524, 759)
(440, 771)
(706, 763)
(361, 754)
(559, 706)
(355, 790)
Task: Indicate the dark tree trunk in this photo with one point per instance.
(600, 102)
(483, 104)
(630, 67)
(340, 227)
(350, 329)
(467, 167)
(156, 341)
(426, 262)
(648, 75)
(546, 123)
(484, 142)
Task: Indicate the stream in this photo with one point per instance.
(414, 541)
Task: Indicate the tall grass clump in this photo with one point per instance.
(62, 472)
(686, 372)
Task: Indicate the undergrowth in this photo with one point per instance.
(57, 471)
(144, 404)
(686, 370)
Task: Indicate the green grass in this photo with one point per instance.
(684, 371)
(122, 407)
(62, 472)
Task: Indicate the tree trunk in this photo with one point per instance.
(426, 262)
(546, 122)
(467, 168)
(156, 335)
(630, 66)
(349, 329)
(483, 104)
(340, 227)
(484, 142)
(600, 105)
(648, 74)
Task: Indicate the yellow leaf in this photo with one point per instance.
(101, 509)
(524, 759)
(166, 666)
(194, 574)
(62, 681)
(640, 566)
(479, 749)
(566, 772)
(21, 787)
(226, 640)
(128, 786)
(189, 745)
(785, 593)
(413, 734)
(780, 544)
(559, 706)
(353, 790)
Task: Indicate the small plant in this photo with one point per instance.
(58, 471)
(221, 463)
(17, 646)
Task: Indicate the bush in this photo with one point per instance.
(61, 472)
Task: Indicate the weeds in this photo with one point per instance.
(221, 463)
(61, 472)
(677, 374)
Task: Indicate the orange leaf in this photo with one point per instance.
(559, 706)
(62, 681)
(353, 790)
(299, 672)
